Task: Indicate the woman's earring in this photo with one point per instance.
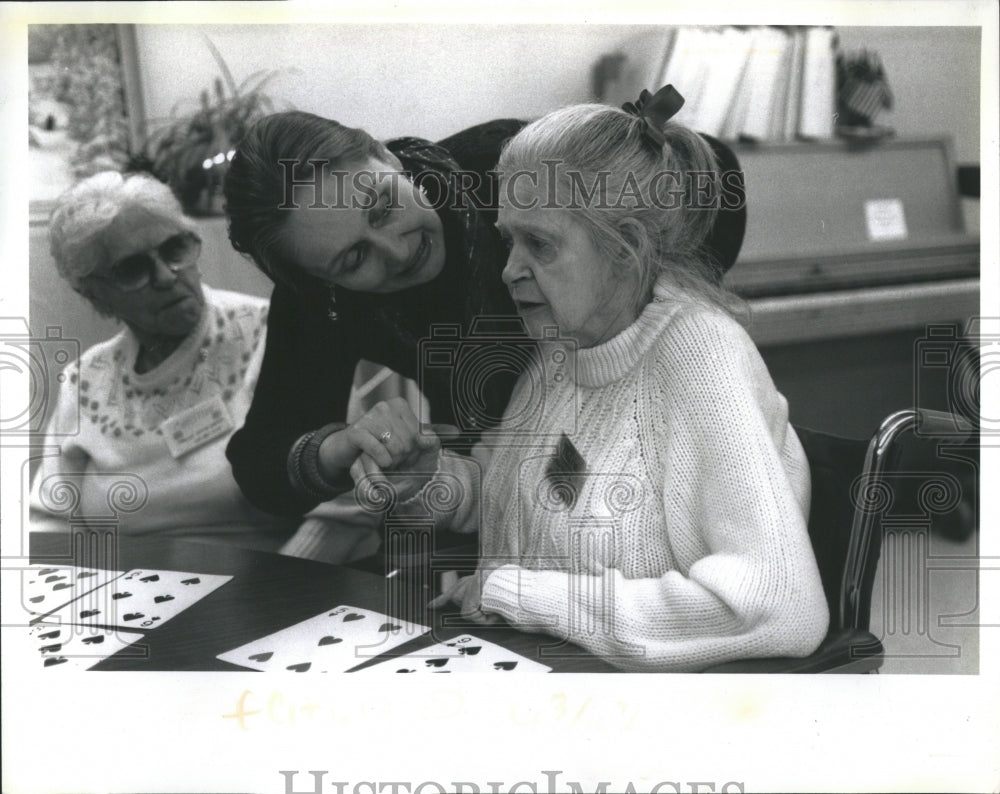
(331, 312)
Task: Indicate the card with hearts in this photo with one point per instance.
(140, 599)
(464, 654)
(332, 642)
(65, 647)
(45, 588)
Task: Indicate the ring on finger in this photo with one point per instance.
(384, 438)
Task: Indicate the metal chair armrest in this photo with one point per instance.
(881, 457)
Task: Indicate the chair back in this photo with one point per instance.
(835, 463)
(850, 491)
(850, 481)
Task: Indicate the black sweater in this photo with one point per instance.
(309, 361)
(308, 368)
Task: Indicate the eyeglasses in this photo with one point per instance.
(135, 271)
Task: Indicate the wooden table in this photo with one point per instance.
(269, 592)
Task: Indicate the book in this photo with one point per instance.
(686, 69)
(819, 85)
(793, 95)
(763, 72)
(727, 61)
(779, 99)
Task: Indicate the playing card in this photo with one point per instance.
(65, 647)
(465, 654)
(140, 599)
(332, 642)
(45, 588)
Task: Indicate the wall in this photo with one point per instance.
(391, 79)
(433, 80)
(934, 76)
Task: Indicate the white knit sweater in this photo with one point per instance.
(106, 436)
(686, 544)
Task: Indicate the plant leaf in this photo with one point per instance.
(222, 66)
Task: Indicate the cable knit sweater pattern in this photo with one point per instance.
(110, 422)
(683, 542)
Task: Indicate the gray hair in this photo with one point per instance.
(79, 224)
(637, 218)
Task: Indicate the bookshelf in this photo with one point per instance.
(761, 83)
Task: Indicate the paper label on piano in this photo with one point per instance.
(197, 426)
(885, 219)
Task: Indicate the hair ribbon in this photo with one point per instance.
(656, 110)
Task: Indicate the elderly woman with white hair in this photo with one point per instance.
(645, 496)
(159, 400)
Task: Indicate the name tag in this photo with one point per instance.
(197, 426)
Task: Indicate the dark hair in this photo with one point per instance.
(255, 184)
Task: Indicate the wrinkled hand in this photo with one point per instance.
(403, 480)
(387, 438)
(467, 592)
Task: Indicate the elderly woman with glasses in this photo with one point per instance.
(160, 400)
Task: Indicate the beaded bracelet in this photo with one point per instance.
(303, 465)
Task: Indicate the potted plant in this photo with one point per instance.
(191, 153)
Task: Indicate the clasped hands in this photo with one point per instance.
(388, 438)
